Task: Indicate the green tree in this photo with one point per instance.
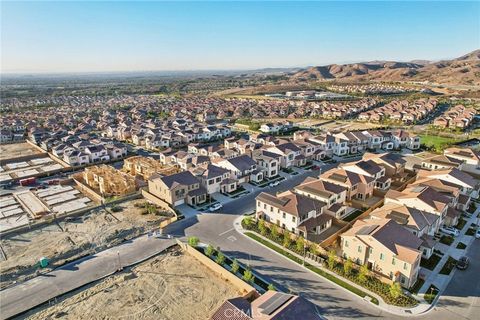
(363, 273)
(287, 240)
(274, 231)
(261, 226)
(348, 266)
(395, 290)
(248, 222)
(271, 287)
(220, 258)
(210, 250)
(193, 241)
(313, 249)
(235, 266)
(300, 244)
(248, 276)
(332, 258)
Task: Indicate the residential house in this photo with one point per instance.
(177, 189)
(385, 247)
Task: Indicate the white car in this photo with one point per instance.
(477, 234)
(274, 183)
(450, 231)
(215, 207)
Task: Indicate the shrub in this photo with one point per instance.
(300, 244)
(286, 239)
(117, 209)
(261, 226)
(220, 258)
(363, 273)
(248, 276)
(193, 241)
(210, 250)
(235, 266)
(348, 266)
(271, 287)
(274, 231)
(248, 222)
(395, 290)
(332, 256)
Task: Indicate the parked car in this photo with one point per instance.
(215, 207)
(450, 231)
(477, 234)
(274, 183)
(462, 263)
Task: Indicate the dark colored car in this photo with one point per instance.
(462, 263)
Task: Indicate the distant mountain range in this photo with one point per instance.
(464, 70)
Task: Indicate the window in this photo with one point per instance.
(346, 243)
(405, 266)
(271, 209)
(293, 219)
(382, 256)
(359, 249)
(283, 215)
(370, 250)
(393, 260)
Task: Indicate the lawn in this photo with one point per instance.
(461, 246)
(448, 266)
(436, 141)
(431, 263)
(448, 240)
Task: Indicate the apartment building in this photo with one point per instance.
(385, 247)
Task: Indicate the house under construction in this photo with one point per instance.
(147, 166)
(109, 181)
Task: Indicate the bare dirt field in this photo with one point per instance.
(73, 238)
(15, 150)
(172, 285)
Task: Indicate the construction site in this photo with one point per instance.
(172, 285)
(34, 166)
(104, 181)
(20, 208)
(74, 237)
(145, 167)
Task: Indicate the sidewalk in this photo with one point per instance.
(441, 281)
(421, 308)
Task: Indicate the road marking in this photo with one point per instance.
(225, 232)
(232, 238)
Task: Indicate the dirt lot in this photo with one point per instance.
(70, 239)
(170, 286)
(15, 150)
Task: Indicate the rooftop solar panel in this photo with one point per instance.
(275, 302)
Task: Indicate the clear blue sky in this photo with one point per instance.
(124, 36)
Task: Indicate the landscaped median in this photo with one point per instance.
(313, 268)
(342, 273)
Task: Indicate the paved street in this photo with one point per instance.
(41, 289)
